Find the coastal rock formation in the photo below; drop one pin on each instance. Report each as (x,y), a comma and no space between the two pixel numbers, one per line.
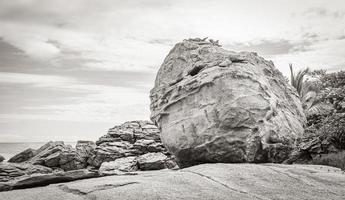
(9,171)
(148,161)
(132,138)
(58,155)
(202,182)
(23,156)
(215,105)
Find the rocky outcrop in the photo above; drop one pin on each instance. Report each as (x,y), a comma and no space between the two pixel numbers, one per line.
(1,158)
(132,146)
(58,155)
(10,171)
(130,139)
(148,161)
(23,156)
(203,182)
(215,105)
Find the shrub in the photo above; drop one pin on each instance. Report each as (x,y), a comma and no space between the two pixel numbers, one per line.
(333,130)
(333,80)
(332,159)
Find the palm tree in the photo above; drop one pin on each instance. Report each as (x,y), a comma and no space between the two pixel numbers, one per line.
(308,92)
(297,80)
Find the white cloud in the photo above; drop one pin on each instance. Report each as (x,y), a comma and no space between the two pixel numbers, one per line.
(116,35)
(99,103)
(322,55)
(35,79)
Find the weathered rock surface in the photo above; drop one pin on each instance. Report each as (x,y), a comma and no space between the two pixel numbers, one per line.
(207,181)
(214,105)
(148,161)
(152,161)
(36,180)
(130,139)
(9,171)
(23,156)
(119,166)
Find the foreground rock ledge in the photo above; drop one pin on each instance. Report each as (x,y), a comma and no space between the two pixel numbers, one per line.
(207,181)
(215,105)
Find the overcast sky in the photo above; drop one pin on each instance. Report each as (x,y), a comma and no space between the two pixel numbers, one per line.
(71,69)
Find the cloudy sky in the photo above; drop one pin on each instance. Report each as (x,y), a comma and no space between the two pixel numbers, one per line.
(71,69)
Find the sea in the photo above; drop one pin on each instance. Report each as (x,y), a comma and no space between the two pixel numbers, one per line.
(8,150)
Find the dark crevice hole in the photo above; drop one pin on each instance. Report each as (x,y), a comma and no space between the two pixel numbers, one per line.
(195,71)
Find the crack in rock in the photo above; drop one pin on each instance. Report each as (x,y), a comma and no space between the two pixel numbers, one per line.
(78,192)
(65,188)
(288,175)
(225,185)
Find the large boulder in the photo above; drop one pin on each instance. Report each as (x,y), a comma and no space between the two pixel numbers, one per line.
(130,139)
(2,158)
(215,105)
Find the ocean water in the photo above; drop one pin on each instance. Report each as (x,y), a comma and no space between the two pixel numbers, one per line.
(8,150)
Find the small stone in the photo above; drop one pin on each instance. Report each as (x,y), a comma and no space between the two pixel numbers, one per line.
(152,161)
(119,166)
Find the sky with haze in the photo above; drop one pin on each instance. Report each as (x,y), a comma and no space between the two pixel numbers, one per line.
(71,69)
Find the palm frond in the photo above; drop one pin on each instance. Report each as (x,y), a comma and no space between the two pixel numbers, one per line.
(297,81)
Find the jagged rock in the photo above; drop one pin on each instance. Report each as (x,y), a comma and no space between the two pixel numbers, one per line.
(119,166)
(9,171)
(85,150)
(47,150)
(214,105)
(85,147)
(144,146)
(202,182)
(58,155)
(152,161)
(133,138)
(36,180)
(23,156)
(1,158)
(110,151)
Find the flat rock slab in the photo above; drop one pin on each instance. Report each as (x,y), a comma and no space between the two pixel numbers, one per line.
(207,181)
